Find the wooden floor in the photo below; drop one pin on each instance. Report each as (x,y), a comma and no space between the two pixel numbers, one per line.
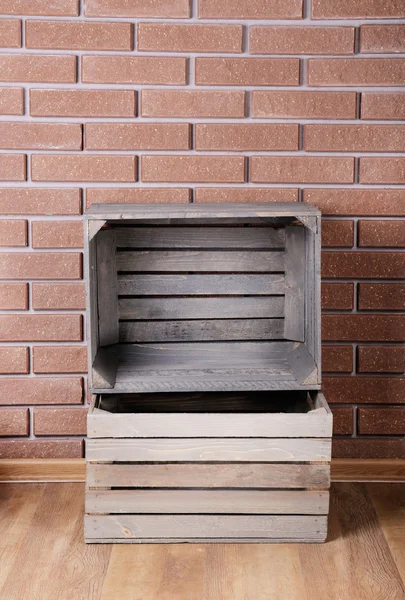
(42,554)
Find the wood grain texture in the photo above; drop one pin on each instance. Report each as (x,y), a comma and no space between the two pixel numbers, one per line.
(107,296)
(294,324)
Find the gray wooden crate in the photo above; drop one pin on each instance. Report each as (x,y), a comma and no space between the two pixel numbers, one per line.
(203,297)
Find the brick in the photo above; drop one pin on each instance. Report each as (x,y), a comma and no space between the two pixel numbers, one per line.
(368,448)
(337,296)
(11,101)
(363,328)
(58,296)
(175,9)
(301,40)
(14,359)
(381,106)
(14,422)
(13,233)
(82,103)
(164,37)
(40,201)
(40,265)
(13,167)
(358,9)
(78,35)
(60,421)
(10,33)
(303,105)
(364,390)
(381,421)
(299,169)
(250,9)
(382,296)
(388,203)
(19,135)
(381,359)
(57,234)
(382,170)
(382,233)
(137,136)
(363,265)
(219,136)
(354,138)
(190,103)
(41,390)
(38,68)
(60,359)
(13,296)
(50,8)
(353,72)
(40,328)
(222,194)
(137,195)
(41,449)
(343,423)
(337,359)
(247,71)
(378,39)
(198,169)
(155,70)
(338,234)
(82,168)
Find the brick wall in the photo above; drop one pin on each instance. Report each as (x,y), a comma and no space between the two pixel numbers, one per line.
(209,101)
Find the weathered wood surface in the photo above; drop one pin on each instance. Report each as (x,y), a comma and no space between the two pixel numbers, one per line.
(313,296)
(303,365)
(294,284)
(214,541)
(90,273)
(107,294)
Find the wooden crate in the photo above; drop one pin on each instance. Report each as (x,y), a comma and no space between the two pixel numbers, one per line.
(208,467)
(203,297)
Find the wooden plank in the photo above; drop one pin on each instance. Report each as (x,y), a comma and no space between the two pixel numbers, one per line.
(303,365)
(90,276)
(205,526)
(200,285)
(294,284)
(200,475)
(260,502)
(201,308)
(105,368)
(107,296)
(313,296)
(214,541)
(209,449)
(200,261)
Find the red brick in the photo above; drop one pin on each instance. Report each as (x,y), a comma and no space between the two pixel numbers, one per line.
(378,39)
(60,421)
(355,138)
(137,136)
(50,8)
(363,328)
(10,33)
(60,359)
(368,448)
(382,233)
(303,105)
(11,101)
(363,265)
(337,234)
(82,103)
(20,135)
(301,40)
(388,203)
(40,328)
(301,169)
(40,201)
(364,390)
(155,70)
(165,37)
(250,9)
(41,449)
(193,103)
(381,421)
(376,105)
(37,68)
(85,167)
(13,233)
(189,168)
(337,359)
(354,72)
(381,359)
(247,71)
(222,194)
(382,170)
(58,296)
(175,9)
(337,296)
(358,9)
(343,423)
(137,195)
(41,390)
(219,136)
(41,265)
(14,422)
(13,296)
(14,359)
(382,296)
(57,234)
(78,35)
(13,167)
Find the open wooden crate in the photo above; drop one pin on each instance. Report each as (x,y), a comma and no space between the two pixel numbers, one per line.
(203,297)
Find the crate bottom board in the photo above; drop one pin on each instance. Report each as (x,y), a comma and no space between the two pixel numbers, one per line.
(206,541)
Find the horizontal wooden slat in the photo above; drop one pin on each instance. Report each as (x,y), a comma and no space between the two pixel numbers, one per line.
(199,261)
(262,502)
